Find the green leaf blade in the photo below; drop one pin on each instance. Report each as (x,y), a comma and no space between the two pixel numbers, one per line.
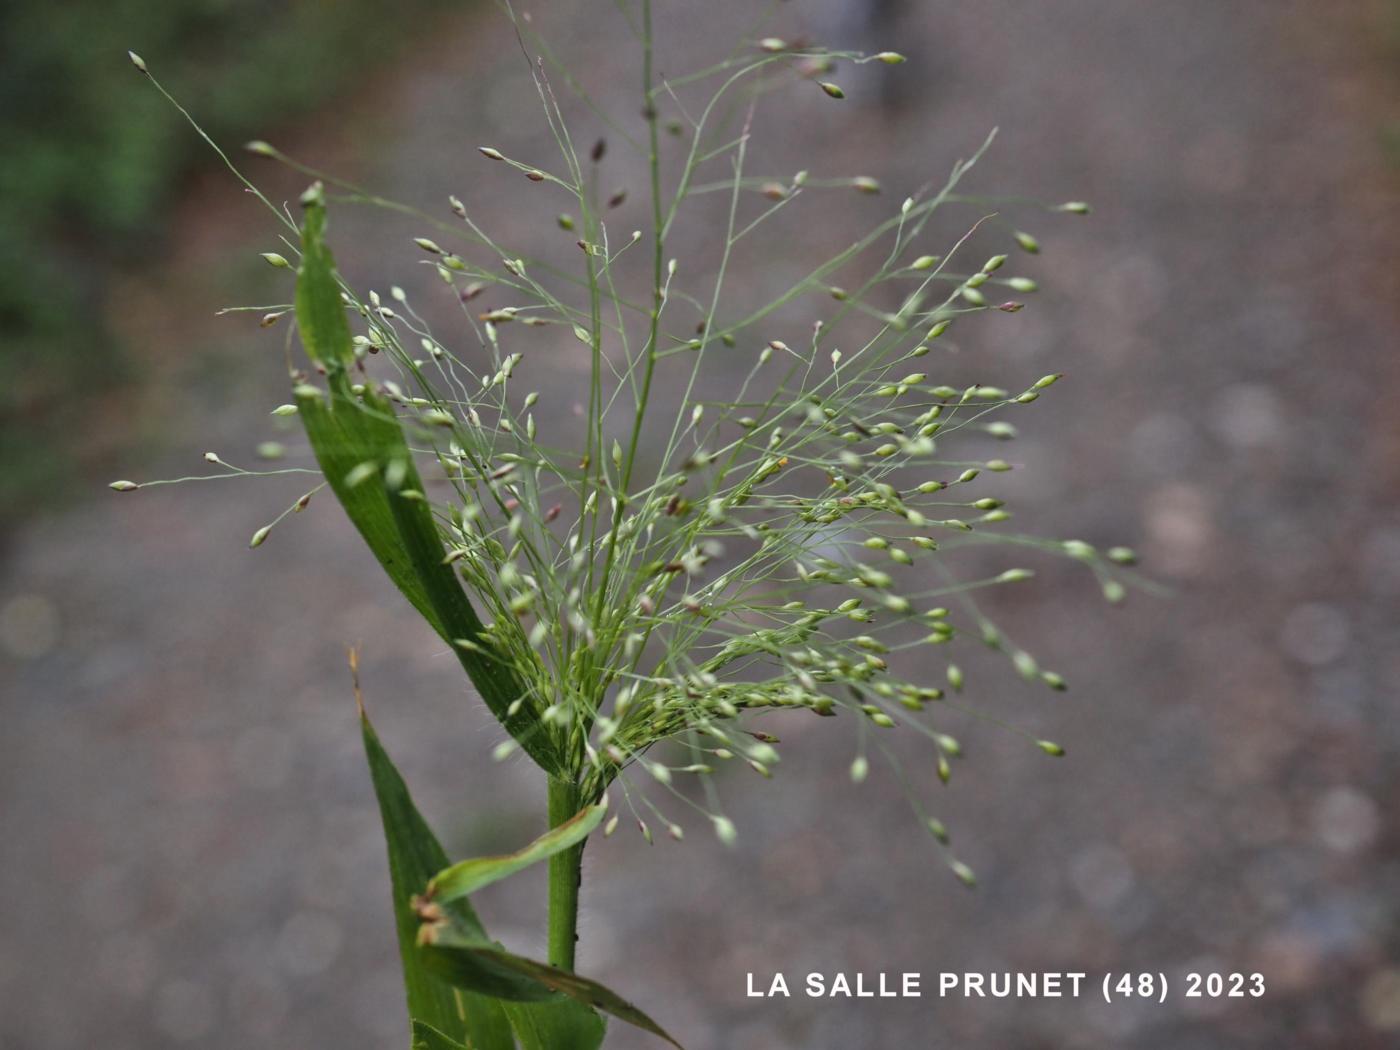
(320,311)
(414,855)
(468,876)
(344,434)
(354,430)
(563,1025)
(479,965)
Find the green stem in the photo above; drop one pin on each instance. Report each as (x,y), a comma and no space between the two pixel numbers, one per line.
(565,875)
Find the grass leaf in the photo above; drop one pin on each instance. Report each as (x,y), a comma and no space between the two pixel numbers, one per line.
(564,1025)
(343,436)
(470,962)
(414,854)
(320,312)
(351,432)
(468,876)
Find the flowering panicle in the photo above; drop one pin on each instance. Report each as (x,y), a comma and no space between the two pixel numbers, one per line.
(674,568)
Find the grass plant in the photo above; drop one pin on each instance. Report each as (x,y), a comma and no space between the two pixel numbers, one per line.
(629,590)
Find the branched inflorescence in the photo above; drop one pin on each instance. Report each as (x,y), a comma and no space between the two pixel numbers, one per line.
(678,563)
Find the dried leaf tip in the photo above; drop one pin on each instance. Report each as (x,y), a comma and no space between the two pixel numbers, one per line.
(352,657)
(138,62)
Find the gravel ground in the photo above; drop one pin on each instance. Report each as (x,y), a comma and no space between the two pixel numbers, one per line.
(191,852)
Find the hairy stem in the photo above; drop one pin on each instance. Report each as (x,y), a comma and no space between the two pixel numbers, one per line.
(565,875)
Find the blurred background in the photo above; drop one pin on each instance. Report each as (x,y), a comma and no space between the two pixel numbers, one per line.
(191,855)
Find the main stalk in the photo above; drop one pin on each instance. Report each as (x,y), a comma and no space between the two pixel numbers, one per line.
(565,874)
(566,868)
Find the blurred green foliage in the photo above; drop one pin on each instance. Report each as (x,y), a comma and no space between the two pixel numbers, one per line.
(92,155)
